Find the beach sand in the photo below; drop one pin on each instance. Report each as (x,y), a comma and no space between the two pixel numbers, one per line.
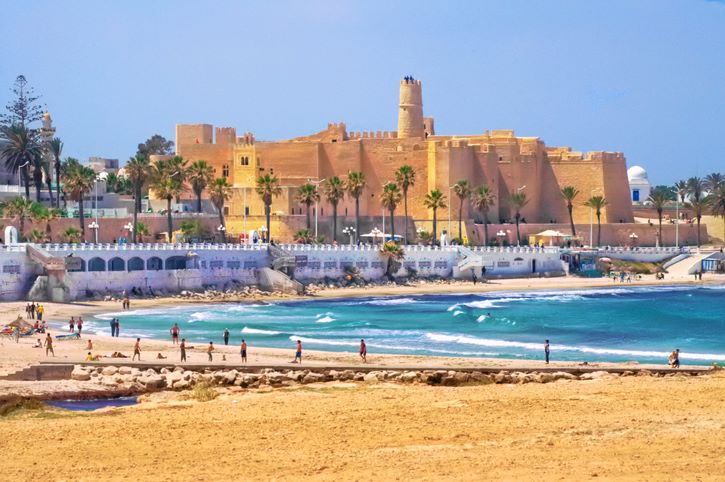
(633,428)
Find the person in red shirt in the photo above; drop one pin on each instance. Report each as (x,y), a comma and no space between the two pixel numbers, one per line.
(363,351)
(298,353)
(175,334)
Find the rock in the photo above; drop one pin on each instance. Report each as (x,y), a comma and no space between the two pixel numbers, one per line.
(461,377)
(164,371)
(173,377)
(482,378)
(155,382)
(79,374)
(370,377)
(595,375)
(408,377)
(313,377)
(546,378)
(358,377)
(109,370)
(295,376)
(108,382)
(644,373)
(125,370)
(230,376)
(181,384)
(564,376)
(150,372)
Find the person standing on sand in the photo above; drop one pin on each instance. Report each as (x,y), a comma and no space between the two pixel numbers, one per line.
(32,309)
(40,311)
(79,325)
(210,350)
(175,334)
(49,345)
(546,351)
(72,325)
(298,353)
(674,359)
(182,348)
(113,327)
(243,351)
(118,327)
(226,336)
(137,350)
(363,351)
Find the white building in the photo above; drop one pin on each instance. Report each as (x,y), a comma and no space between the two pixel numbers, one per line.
(639,185)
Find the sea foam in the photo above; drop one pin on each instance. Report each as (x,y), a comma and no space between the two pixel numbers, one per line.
(257,331)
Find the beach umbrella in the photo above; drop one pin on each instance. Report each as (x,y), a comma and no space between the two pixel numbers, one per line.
(20,323)
(605,260)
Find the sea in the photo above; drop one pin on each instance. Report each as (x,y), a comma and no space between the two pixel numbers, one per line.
(618,324)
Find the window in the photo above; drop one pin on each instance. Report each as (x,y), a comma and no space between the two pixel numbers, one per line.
(635,194)
(225,170)
(226,211)
(246,210)
(244,161)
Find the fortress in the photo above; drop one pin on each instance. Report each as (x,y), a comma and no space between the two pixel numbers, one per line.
(498,158)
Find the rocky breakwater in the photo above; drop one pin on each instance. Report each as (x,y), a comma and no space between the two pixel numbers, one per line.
(130,379)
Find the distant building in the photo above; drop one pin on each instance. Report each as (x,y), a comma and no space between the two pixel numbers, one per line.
(102,164)
(639,185)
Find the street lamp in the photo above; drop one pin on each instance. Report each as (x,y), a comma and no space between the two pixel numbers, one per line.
(20,169)
(129,227)
(633,237)
(500,235)
(221,229)
(591,220)
(350,231)
(263,230)
(317,208)
(94,226)
(376,232)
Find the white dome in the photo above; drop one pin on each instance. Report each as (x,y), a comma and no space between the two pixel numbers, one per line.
(636,173)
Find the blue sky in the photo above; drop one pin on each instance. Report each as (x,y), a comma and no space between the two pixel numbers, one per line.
(639,76)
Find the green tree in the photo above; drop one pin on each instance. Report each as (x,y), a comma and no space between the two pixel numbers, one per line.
(405,177)
(42,214)
(518,200)
(137,169)
(355,185)
(219,192)
(156,145)
(73,235)
(713,181)
(334,191)
(56,149)
(192,228)
(569,193)
(167,182)
(38,174)
(483,201)
(597,203)
(200,175)
(268,188)
(462,190)
(698,206)
(696,188)
(141,230)
(304,236)
(390,199)
(19,209)
(308,195)
(19,150)
(658,198)
(47,168)
(434,201)
(36,236)
(394,253)
(78,181)
(23,109)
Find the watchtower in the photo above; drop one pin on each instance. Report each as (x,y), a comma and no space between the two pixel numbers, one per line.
(410,110)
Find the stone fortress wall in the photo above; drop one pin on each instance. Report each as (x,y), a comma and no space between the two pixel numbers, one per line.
(499,158)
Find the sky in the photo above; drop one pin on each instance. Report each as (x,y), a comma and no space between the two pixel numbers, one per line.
(645,77)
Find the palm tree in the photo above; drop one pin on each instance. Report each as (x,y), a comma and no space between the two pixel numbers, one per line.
(483,200)
(334,192)
(308,195)
(38,175)
(200,175)
(142,230)
(717,203)
(518,200)
(390,199)
(137,170)
(19,209)
(699,206)
(303,236)
(48,175)
(405,177)
(569,193)
(695,188)
(659,197)
(40,214)
(78,180)
(462,190)
(73,235)
(597,203)
(219,192)
(435,200)
(354,185)
(167,182)
(56,149)
(36,236)
(268,188)
(20,149)
(394,253)
(714,181)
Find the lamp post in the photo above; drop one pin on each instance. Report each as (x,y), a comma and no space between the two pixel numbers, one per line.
(317,203)
(350,231)
(129,227)
(20,182)
(677,222)
(591,220)
(221,229)
(500,235)
(94,226)
(263,230)
(376,232)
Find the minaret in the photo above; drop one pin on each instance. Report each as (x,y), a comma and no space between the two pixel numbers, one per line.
(410,111)
(47,132)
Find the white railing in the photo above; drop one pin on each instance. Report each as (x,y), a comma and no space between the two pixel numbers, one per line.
(152,247)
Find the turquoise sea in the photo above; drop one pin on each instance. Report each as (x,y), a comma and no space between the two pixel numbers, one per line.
(641,324)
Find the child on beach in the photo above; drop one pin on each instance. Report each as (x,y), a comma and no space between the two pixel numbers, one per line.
(137,350)
(674,359)
(298,353)
(182,348)
(210,350)
(243,351)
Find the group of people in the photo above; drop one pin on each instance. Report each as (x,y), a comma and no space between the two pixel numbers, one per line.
(115,327)
(75,326)
(125,302)
(33,311)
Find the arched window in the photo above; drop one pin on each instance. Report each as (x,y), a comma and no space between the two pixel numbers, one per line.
(244,161)
(135,264)
(225,170)
(176,262)
(154,264)
(116,264)
(76,266)
(96,264)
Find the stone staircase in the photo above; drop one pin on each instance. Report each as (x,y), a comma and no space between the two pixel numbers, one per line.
(281,259)
(468,259)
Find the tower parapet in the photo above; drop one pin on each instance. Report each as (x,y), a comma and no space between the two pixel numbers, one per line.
(410,109)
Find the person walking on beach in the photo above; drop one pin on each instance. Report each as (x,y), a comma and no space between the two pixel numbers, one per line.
(298,353)
(210,350)
(363,351)
(226,336)
(137,350)
(175,334)
(113,327)
(72,325)
(674,359)
(243,351)
(49,345)
(79,325)
(546,351)
(182,348)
